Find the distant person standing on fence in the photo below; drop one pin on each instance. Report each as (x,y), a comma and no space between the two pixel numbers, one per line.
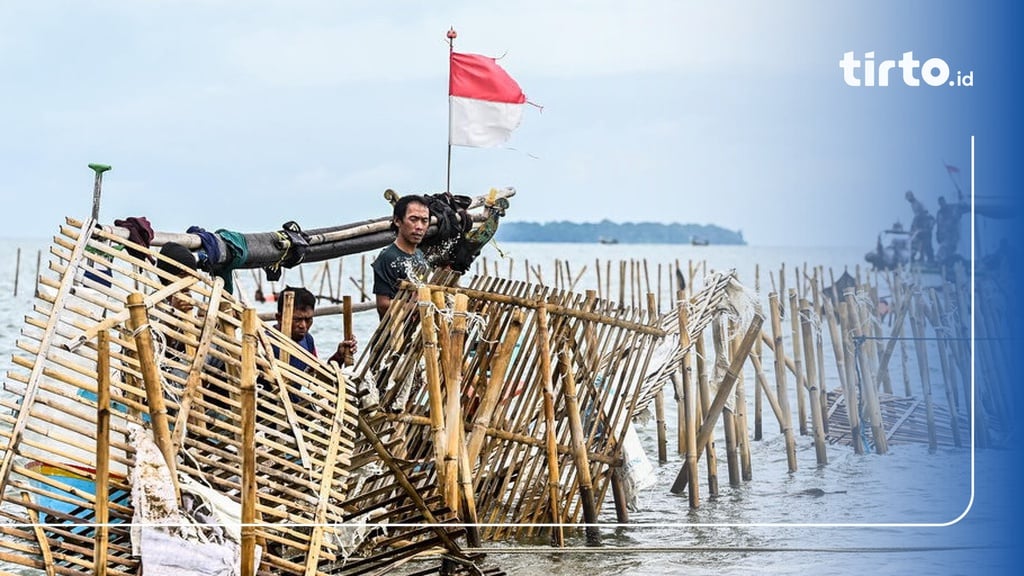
(402,259)
(947,227)
(920,231)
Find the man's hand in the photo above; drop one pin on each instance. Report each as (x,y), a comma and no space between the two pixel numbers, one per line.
(346,353)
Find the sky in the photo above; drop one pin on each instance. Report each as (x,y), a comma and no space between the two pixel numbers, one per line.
(246,115)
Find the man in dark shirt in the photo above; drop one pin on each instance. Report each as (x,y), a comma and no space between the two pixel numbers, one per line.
(402,259)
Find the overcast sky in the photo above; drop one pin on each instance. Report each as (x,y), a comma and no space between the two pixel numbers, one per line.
(244,115)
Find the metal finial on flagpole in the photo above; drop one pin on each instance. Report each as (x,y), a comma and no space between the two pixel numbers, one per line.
(452,34)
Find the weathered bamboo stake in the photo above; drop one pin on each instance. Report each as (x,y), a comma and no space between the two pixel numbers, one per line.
(852,391)
(287,310)
(890,346)
(659,415)
(819,342)
(139,324)
(947,377)
(782,393)
(453,415)
(917,327)
(597,268)
(346,323)
(801,376)
(544,352)
(728,417)
(17,271)
(817,420)
(839,353)
(658,304)
(685,372)
(740,417)
(659,398)
(883,379)
(579,448)
(247,387)
(430,358)
(900,295)
(39,259)
(868,390)
(102,453)
(756,354)
(362,277)
(622,284)
(725,389)
(704,403)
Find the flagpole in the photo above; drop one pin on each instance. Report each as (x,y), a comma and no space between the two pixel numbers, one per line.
(451,49)
(959,193)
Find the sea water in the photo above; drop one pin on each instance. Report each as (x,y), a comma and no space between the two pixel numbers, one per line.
(906,512)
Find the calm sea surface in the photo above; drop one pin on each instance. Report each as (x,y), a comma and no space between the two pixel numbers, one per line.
(907,512)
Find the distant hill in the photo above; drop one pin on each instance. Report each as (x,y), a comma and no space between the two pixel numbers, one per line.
(613,232)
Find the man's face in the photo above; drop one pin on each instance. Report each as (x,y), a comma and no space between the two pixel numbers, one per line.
(413,225)
(302,319)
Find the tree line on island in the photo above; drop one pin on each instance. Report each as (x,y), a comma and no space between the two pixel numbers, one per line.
(610,232)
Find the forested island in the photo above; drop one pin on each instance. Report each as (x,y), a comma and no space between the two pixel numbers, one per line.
(610,232)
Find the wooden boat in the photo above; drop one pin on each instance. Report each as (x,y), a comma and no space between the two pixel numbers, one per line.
(698,241)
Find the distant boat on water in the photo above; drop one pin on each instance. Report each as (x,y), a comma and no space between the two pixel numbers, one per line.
(698,241)
(604,240)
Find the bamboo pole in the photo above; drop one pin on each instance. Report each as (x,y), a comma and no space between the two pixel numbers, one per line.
(17,271)
(756,354)
(247,387)
(947,379)
(782,394)
(917,327)
(346,306)
(453,412)
(544,352)
(819,342)
(732,460)
(579,449)
(817,421)
(101,544)
(740,417)
(139,324)
(659,398)
(704,396)
(430,357)
(801,376)
(39,258)
(863,351)
(852,391)
(725,387)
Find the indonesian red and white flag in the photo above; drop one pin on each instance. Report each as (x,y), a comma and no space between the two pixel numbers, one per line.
(485,104)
